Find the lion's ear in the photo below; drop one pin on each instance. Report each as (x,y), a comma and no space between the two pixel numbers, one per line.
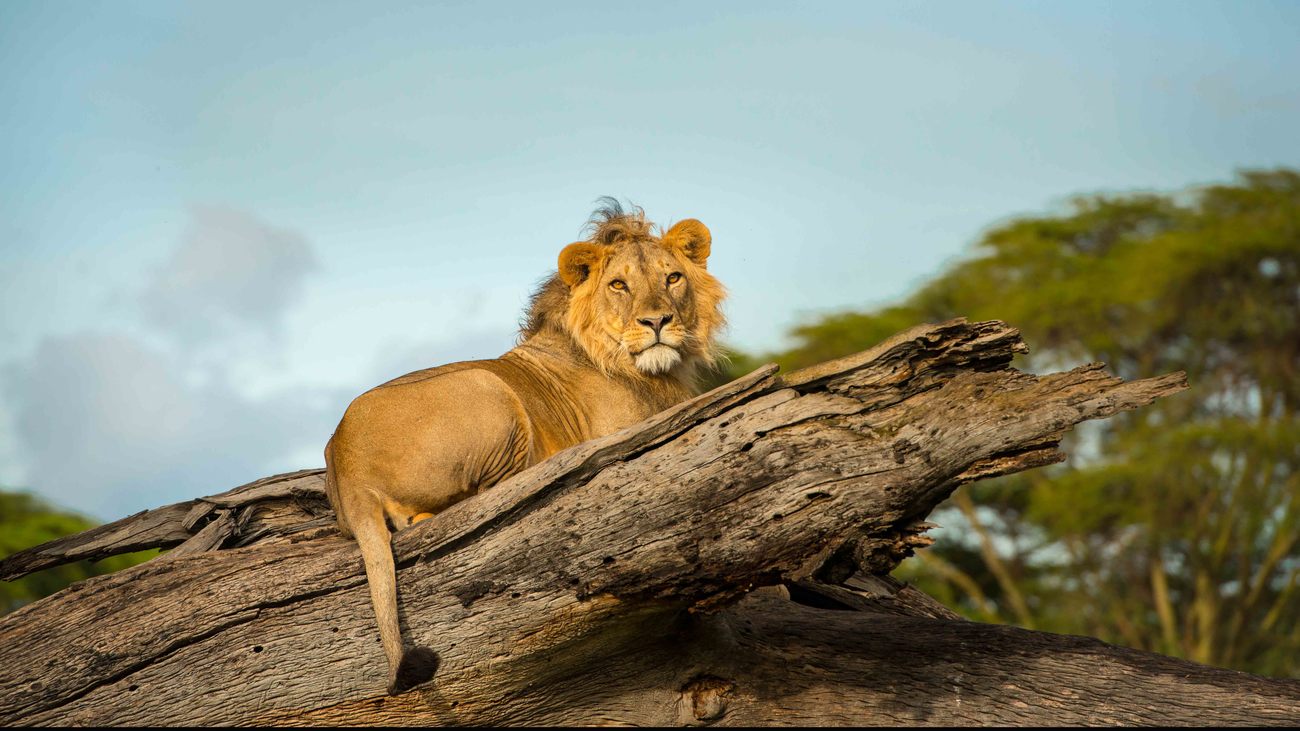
(577,260)
(692,237)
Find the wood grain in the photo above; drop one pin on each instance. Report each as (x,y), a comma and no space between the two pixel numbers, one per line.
(622,580)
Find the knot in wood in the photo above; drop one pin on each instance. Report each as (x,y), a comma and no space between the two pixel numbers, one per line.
(706,697)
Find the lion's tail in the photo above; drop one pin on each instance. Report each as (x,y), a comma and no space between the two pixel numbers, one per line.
(361,513)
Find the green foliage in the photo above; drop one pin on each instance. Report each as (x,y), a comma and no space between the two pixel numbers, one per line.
(25,521)
(733,365)
(1173,528)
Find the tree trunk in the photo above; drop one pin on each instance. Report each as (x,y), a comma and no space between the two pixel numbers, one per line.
(619,581)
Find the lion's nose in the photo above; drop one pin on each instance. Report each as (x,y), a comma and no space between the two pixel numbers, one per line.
(655,323)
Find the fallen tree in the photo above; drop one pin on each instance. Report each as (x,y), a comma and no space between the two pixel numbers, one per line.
(723,562)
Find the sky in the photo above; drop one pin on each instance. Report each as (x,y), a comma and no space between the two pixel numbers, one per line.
(221,221)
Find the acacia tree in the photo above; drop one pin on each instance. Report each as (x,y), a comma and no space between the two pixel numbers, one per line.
(1175,530)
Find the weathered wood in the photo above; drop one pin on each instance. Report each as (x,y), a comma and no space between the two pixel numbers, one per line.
(549,596)
(270,507)
(770,662)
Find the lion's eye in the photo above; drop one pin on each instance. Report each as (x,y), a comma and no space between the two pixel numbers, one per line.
(618,285)
(674,278)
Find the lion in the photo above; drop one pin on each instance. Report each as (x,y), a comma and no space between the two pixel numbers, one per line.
(621,331)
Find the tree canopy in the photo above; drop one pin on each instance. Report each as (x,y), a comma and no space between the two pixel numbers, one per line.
(1175,529)
(27,521)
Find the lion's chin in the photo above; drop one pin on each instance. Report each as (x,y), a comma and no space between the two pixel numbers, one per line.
(658,358)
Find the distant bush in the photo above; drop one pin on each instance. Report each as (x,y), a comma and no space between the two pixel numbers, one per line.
(27,521)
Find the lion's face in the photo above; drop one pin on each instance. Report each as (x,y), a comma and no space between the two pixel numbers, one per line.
(644,304)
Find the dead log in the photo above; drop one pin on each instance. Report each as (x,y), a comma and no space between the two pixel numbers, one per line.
(616,582)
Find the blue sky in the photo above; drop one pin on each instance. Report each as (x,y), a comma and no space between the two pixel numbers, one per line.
(219,222)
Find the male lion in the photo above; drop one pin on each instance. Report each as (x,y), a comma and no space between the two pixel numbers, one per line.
(617,334)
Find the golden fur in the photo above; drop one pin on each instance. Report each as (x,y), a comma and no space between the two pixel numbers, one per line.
(574,300)
(618,333)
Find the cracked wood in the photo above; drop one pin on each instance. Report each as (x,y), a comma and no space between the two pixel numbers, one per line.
(608,545)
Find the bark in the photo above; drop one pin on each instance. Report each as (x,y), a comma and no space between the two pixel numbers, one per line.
(619,581)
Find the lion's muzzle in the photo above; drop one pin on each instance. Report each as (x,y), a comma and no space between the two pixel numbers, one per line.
(658,358)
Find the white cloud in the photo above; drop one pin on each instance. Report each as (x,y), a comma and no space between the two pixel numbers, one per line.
(113,422)
(110,423)
(111,427)
(230,272)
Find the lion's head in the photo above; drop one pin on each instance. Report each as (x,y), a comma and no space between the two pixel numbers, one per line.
(637,299)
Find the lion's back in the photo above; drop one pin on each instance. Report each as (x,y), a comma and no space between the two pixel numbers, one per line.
(432,437)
